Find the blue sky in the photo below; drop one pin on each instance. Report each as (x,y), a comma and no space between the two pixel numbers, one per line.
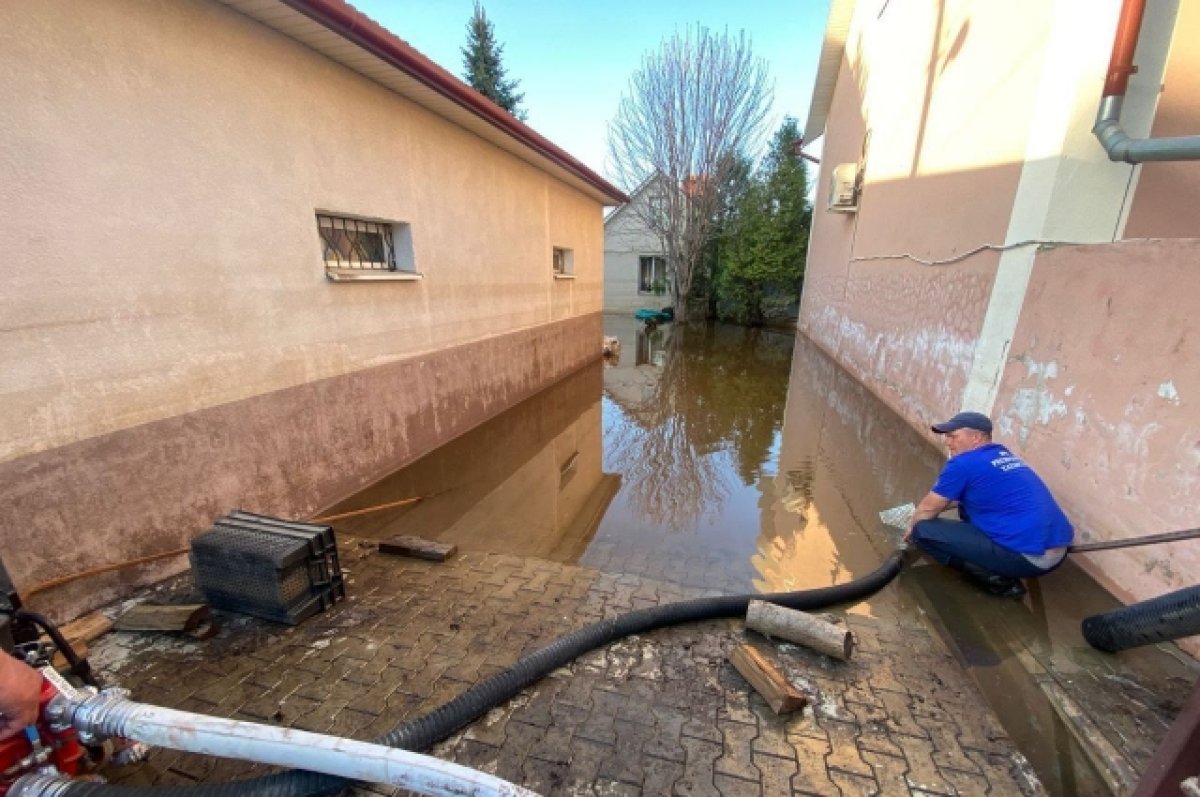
(574,60)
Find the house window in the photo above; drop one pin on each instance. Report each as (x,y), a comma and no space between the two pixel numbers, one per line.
(350,245)
(564,262)
(652,274)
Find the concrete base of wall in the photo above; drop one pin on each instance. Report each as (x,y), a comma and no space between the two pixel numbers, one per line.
(289,453)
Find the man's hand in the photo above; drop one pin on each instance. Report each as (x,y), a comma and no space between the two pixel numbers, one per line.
(20,691)
(931,506)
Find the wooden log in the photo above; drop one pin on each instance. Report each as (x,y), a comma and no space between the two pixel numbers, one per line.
(158,617)
(767,679)
(801,628)
(418,547)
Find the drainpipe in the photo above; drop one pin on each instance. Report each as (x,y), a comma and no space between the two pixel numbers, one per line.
(1108,130)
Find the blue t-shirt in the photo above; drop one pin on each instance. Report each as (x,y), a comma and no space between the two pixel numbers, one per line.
(1005,499)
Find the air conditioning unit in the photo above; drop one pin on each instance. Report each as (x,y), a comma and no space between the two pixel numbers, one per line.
(843,188)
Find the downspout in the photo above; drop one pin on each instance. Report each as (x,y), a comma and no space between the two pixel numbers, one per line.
(1108,130)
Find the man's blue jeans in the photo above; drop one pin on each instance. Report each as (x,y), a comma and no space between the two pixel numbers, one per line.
(953,542)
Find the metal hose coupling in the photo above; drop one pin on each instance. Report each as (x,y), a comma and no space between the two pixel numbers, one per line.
(101,716)
(39,784)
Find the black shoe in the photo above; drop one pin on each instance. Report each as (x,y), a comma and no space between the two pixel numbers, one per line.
(994,583)
(1005,587)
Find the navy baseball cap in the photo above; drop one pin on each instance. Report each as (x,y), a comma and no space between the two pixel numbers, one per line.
(965,420)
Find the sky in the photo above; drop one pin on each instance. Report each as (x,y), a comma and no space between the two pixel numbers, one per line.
(574,59)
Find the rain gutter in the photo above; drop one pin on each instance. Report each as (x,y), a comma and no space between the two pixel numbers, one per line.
(1119,145)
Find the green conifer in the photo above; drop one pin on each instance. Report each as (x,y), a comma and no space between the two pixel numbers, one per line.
(483,69)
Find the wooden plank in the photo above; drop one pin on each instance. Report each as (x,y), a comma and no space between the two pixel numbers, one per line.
(767,679)
(156,617)
(418,547)
(801,628)
(86,628)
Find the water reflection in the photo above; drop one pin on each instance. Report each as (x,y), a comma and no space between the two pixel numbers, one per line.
(528,482)
(843,458)
(692,425)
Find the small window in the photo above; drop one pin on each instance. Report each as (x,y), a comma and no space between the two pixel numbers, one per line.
(350,245)
(652,274)
(564,262)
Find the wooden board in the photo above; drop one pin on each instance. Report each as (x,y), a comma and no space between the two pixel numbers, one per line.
(767,679)
(155,617)
(418,547)
(86,628)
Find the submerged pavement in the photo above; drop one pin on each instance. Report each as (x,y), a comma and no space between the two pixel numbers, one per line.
(659,714)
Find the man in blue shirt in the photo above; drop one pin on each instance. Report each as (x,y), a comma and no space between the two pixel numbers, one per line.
(1011,527)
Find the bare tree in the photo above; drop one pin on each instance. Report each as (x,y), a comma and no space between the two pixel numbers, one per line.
(699,99)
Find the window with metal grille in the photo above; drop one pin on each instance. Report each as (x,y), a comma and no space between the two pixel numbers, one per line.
(348,243)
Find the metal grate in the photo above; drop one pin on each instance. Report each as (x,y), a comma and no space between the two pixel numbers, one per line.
(356,244)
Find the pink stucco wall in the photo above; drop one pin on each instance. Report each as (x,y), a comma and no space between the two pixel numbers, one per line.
(1100,395)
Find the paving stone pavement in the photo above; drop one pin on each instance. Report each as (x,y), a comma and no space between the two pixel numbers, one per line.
(659,714)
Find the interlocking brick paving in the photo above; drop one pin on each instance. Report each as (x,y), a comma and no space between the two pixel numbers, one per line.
(659,714)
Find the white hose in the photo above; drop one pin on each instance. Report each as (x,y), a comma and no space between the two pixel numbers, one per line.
(111,714)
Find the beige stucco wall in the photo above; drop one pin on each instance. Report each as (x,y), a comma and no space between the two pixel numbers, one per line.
(170,346)
(1167,201)
(161,166)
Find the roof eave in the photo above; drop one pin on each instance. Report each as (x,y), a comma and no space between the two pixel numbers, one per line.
(837,28)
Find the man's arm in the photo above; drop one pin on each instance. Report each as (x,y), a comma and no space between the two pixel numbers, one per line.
(20,690)
(931,506)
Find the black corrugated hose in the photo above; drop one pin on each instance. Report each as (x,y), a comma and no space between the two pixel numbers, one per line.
(1161,619)
(423,732)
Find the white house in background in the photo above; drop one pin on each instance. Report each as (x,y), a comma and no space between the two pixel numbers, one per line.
(635,261)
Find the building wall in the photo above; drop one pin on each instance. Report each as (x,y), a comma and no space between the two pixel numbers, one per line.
(979,160)
(1167,202)
(1101,395)
(539,492)
(171,346)
(626,240)
(907,94)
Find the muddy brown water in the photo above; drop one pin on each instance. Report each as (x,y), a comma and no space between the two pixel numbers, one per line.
(743,460)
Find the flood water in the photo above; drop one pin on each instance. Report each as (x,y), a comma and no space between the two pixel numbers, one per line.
(684,459)
(734,460)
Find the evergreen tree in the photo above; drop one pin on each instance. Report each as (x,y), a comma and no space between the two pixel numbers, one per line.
(484,71)
(737,171)
(763,267)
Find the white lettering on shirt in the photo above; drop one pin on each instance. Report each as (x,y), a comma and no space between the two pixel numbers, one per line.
(1007,462)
